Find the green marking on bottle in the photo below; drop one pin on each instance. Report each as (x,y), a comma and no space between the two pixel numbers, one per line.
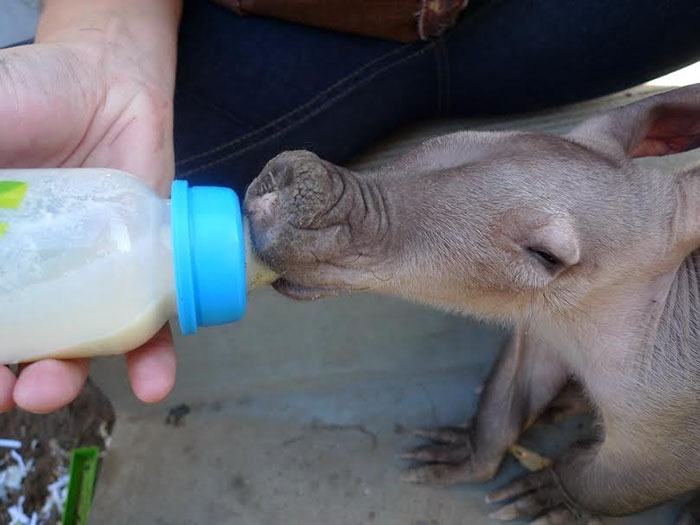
(3,228)
(12,193)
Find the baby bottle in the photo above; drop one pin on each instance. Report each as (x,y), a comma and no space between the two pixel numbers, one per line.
(94,262)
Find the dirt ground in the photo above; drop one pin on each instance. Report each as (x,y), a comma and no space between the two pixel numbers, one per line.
(47,442)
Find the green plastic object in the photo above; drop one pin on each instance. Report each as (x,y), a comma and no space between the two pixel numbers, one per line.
(83,474)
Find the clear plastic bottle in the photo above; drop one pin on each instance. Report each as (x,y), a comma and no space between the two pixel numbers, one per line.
(94,262)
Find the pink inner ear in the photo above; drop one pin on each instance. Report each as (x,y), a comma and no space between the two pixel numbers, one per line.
(672,130)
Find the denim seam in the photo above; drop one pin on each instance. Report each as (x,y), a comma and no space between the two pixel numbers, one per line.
(308,116)
(298,109)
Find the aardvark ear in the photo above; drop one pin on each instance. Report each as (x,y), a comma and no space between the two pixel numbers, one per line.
(660,125)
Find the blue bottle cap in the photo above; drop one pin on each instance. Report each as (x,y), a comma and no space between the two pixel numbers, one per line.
(209,256)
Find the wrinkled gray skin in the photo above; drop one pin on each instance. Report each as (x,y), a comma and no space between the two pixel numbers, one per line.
(589,256)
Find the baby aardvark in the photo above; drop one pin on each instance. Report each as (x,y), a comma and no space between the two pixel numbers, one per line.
(593,259)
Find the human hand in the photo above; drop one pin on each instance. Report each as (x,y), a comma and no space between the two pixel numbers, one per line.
(87,98)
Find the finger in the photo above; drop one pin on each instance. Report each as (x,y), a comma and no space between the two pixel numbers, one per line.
(438,453)
(449,435)
(527,506)
(441,475)
(152,367)
(519,486)
(7,384)
(50,384)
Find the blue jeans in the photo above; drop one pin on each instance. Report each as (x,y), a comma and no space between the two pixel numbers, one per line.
(249,88)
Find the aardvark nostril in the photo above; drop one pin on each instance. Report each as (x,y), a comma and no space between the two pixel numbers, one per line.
(271,179)
(267,184)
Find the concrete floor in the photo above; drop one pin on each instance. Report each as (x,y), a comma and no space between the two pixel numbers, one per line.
(298,412)
(297,415)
